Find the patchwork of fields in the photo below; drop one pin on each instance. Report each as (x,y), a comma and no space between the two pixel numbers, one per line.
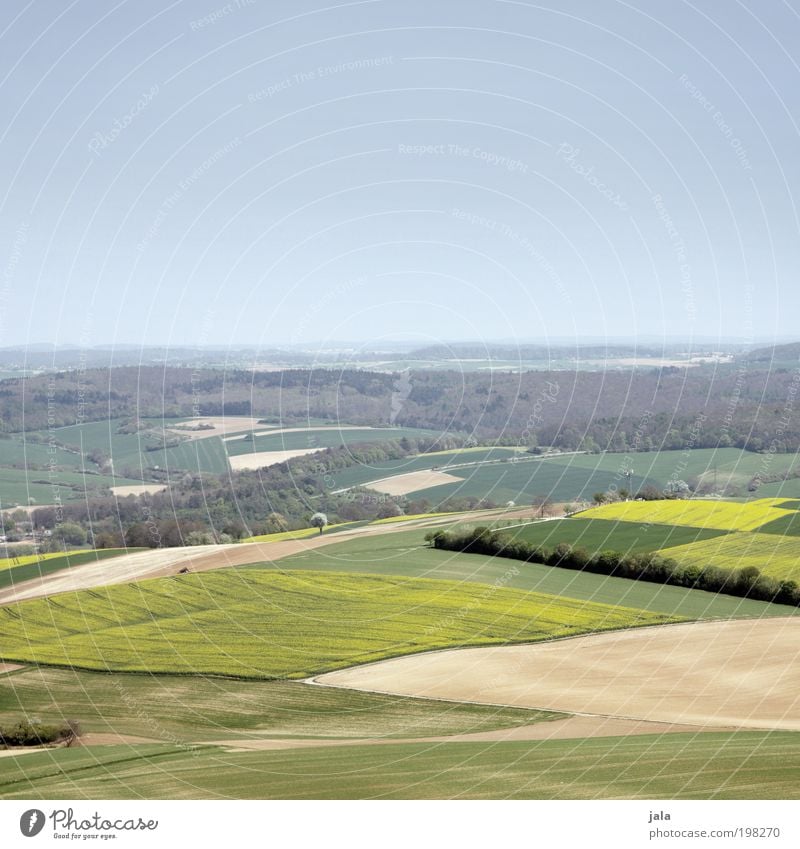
(224,650)
(285,625)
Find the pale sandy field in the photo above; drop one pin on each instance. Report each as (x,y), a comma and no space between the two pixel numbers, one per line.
(411,482)
(738,673)
(137,489)
(160,562)
(261,459)
(221,426)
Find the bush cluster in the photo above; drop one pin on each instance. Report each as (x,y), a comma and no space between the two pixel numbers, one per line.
(747,582)
(25,733)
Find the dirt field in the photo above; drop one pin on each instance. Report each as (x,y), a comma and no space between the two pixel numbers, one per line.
(279,430)
(9,667)
(114,570)
(260,459)
(569,728)
(202,558)
(411,482)
(742,674)
(220,426)
(137,489)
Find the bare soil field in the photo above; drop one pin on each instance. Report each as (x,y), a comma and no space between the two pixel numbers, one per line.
(260,459)
(160,562)
(740,674)
(411,482)
(9,667)
(280,430)
(220,426)
(137,489)
(114,570)
(569,728)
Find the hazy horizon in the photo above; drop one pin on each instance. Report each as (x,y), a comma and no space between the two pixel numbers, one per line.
(296,173)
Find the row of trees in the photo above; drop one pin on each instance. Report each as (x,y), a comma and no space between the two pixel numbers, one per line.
(747,582)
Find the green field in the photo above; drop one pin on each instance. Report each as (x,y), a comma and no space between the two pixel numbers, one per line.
(723,465)
(189,708)
(576,477)
(261,624)
(743,765)
(320,438)
(443,461)
(129,450)
(521,481)
(21,487)
(406,553)
(597,535)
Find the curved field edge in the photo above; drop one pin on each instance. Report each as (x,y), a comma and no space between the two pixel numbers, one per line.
(406,553)
(255,624)
(711,765)
(39,567)
(191,708)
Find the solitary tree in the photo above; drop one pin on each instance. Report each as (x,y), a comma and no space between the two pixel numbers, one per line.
(541,503)
(319,520)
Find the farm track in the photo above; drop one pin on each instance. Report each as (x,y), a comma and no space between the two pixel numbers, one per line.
(162,562)
(730,674)
(569,728)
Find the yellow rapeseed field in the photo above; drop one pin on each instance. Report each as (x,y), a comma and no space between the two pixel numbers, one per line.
(723,515)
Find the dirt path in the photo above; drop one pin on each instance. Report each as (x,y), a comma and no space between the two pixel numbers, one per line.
(740,673)
(569,728)
(161,562)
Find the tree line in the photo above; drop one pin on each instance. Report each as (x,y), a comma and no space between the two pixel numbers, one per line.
(747,582)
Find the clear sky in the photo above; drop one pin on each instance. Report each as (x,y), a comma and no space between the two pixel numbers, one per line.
(286,172)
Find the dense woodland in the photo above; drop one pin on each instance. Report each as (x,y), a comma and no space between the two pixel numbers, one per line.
(741,405)
(745,404)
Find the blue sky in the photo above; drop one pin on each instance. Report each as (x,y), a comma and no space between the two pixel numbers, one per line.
(289,172)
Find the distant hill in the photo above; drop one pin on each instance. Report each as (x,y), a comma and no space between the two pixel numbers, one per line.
(774,354)
(494,351)
(646,409)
